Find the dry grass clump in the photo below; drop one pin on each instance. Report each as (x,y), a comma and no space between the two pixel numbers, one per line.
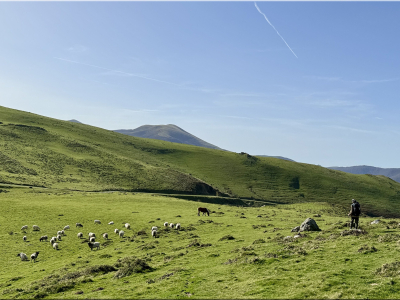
(366,249)
(388,237)
(389,270)
(129,265)
(227,237)
(355,232)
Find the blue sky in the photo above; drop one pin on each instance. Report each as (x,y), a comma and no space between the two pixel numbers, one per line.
(325,90)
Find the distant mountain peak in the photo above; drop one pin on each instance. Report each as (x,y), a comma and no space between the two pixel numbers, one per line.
(75,121)
(169,133)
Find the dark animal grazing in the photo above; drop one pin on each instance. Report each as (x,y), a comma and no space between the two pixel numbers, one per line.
(43,238)
(94,245)
(203,210)
(34,256)
(79,225)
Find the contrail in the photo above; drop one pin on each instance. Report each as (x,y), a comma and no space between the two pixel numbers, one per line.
(121,72)
(274,28)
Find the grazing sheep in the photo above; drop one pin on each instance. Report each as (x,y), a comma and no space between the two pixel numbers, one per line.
(34,256)
(59,232)
(53,240)
(43,238)
(92,239)
(66,227)
(121,234)
(24,228)
(91,234)
(110,223)
(154,228)
(59,237)
(62,232)
(23,256)
(178,226)
(165,224)
(24,238)
(154,233)
(35,228)
(55,246)
(79,225)
(97,222)
(80,235)
(116,231)
(94,245)
(127,226)
(171,225)
(105,236)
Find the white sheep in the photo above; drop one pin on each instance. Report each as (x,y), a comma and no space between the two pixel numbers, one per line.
(34,256)
(105,236)
(24,228)
(127,226)
(59,237)
(55,246)
(59,232)
(24,238)
(53,240)
(121,234)
(97,222)
(35,228)
(116,231)
(66,227)
(171,225)
(92,239)
(91,234)
(62,232)
(23,256)
(110,223)
(165,224)
(154,233)
(154,228)
(178,226)
(80,235)
(94,245)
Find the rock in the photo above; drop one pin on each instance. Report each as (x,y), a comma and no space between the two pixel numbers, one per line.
(375,222)
(309,225)
(287,238)
(297,236)
(296,229)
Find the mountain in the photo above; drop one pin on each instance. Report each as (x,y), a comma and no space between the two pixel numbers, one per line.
(280,157)
(75,121)
(42,151)
(169,133)
(393,173)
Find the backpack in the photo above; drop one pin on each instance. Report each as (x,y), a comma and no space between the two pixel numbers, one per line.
(356,209)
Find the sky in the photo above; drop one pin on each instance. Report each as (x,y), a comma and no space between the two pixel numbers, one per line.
(317,82)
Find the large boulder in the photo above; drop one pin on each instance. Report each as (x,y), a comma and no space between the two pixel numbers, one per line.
(309,225)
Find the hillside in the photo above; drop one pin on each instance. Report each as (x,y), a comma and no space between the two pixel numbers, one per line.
(169,133)
(280,157)
(41,151)
(393,173)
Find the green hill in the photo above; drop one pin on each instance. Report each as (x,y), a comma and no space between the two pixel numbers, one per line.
(41,151)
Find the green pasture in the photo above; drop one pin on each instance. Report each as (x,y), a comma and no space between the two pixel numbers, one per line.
(235,253)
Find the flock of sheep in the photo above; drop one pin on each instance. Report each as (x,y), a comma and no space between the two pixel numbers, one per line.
(92,236)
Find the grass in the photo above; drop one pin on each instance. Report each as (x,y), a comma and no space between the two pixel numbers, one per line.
(220,256)
(45,152)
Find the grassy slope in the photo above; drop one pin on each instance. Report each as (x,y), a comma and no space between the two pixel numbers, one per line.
(60,154)
(256,264)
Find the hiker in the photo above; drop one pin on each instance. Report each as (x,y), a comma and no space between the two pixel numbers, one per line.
(354,213)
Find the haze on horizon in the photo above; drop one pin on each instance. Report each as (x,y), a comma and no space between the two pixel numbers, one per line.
(317,82)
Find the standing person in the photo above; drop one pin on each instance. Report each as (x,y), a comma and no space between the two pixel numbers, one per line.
(355,211)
